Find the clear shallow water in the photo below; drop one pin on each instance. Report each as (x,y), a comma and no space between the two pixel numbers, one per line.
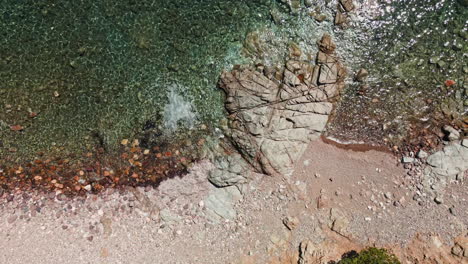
(100,70)
(412,48)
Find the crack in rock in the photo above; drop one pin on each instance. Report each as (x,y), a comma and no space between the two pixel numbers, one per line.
(273,116)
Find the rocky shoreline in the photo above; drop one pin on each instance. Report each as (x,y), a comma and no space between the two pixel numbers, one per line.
(174,203)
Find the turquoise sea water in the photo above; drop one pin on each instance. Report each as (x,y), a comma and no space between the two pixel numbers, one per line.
(102,70)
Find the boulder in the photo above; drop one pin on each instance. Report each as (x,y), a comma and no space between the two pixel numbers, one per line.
(230,170)
(272,119)
(445,166)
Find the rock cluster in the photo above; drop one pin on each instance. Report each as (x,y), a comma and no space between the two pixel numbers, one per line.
(275,112)
(445,166)
(344,7)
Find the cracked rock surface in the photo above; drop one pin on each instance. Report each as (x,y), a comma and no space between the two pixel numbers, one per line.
(445,166)
(276,112)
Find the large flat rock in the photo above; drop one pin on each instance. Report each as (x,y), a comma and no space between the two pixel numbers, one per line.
(275,114)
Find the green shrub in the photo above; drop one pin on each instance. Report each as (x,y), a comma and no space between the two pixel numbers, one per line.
(370,256)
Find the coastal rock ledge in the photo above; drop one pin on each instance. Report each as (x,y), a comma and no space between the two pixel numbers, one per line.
(274,112)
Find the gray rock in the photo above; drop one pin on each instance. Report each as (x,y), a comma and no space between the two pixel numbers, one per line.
(465,142)
(167,216)
(272,121)
(422,154)
(452,133)
(291,222)
(408,160)
(220,203)
(230,170)
(444,167)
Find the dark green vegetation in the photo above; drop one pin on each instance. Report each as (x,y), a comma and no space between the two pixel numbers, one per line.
(98,71)
(370,256)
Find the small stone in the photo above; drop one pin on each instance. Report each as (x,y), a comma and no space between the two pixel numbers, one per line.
(291,222)
(90,238)
(348,5)
(439,200)
(422,154)
(368,219)
(457,250)
(88,187)
(388,195)
(11,219)
(452,210)
(361,75)
(465,142)
(407,160)
(322,201)
(452,133)
(326,44)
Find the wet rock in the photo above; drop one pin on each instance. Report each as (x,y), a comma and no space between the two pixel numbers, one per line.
(320,17)
(271,121)
(107,226)
(341,19)
(465,143)
(230,170)
(326,44)
(361,75)
(291,222)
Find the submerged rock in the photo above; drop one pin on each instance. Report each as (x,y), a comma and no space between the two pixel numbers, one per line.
(452,133)
(273,116)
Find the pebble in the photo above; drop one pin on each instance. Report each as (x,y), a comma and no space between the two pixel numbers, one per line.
(452,210)
(407,160)
(88,187)
(439,200)
(422,154)
(12,218)
(368,219)
(291,222)
(388,195)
